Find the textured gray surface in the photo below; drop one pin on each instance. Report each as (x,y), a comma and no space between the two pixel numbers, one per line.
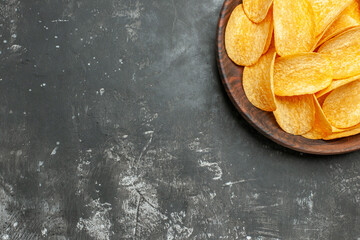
(114,125)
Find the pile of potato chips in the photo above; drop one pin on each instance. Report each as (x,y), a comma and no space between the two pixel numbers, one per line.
(302,62)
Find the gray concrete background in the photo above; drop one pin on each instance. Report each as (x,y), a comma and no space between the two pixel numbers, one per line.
(114,125)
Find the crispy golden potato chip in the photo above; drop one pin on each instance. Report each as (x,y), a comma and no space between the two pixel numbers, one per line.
(354,10)
(256,10)
(258,82)
(244,40)
(337,83)
(338,130)
(294,27)
(342,24)
(270,40)
(349,18)
(342,106)
(321,127)
(296,114)
(300,74)
(344,53)
(326,11)
(343,134)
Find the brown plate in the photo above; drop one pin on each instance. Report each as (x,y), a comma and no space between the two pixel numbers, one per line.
(264,122)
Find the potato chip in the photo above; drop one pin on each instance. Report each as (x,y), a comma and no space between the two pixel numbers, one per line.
(321,127)
(256,10)
(326,11)
(300,74)
(258,82)
(349,18)
(343,134)
(296,114)
(335,84)
(244,40)
(338,130)
(342,24)
(270,40)
(344,53)
(353,10)
(294,26)
(342,106)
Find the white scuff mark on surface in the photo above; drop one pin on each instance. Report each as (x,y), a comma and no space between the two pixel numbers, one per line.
(53,152)
(98,225)
(151,133)
(132,30)
(263,207)
(195,146)
(306,202)
(102,91)
(44,232)
(5,237)
(59,20)
(133,13)
(176,228)
(236,182)
(15,48)
(212,167)
(206,156)
(110,153)
(5,216)
(141,207)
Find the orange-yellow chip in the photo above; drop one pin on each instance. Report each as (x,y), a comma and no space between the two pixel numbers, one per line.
(337,130)
(244,40)
(342,106)
(354,10)
(296,114)
(349,18)
(294,26)
(326,11)
(336,84)
(256,10)
(300,74)
(343,134)
(344,23)
(321,127)
(258,82)
(270,39)
(344,53)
